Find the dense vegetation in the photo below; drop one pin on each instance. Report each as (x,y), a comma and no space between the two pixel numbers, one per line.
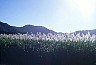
(15,51)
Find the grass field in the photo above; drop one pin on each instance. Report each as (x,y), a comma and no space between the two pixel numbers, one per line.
(46,52)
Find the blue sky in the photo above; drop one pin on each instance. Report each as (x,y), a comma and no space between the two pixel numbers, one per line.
(57,15)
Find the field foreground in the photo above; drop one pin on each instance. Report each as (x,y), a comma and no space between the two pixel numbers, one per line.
(15,51)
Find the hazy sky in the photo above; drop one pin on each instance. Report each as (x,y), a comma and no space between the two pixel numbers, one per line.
(57,15)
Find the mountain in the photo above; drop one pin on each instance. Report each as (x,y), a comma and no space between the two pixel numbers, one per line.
(6,28)
(34,29)
(86,31)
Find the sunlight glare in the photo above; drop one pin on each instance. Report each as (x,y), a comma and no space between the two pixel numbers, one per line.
(86,7)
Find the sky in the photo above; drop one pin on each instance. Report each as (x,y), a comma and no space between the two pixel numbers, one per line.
(58,15)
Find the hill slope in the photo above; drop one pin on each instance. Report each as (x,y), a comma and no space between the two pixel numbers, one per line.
(86,31)
(5,28)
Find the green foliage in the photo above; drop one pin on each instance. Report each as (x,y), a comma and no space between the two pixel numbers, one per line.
(50,46)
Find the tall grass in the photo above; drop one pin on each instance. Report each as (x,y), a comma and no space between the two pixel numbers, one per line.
(67,49)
